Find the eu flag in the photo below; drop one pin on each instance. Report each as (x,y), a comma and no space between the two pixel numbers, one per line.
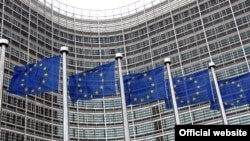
(234,91)
(37,78)
(145,87)
(193,88)
(95,83)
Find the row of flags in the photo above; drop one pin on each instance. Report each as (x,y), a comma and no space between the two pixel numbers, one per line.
(140,88)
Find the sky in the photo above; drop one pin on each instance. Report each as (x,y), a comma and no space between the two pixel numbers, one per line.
(98,4)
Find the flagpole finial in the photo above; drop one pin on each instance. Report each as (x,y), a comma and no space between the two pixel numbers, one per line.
(167,60)
(64,49)
(118,55)
(211,64)
(4,42)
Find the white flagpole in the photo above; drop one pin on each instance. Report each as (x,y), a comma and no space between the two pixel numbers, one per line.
(118,57)
(64,52)
(176,113)
(4,43)
(222,109)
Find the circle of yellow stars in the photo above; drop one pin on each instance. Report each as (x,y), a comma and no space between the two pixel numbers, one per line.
(29,72)
(240,96)
(194,96)
(148,95)
(80,80)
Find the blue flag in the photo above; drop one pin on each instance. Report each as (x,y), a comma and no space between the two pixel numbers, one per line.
(193,88)
(37,78)
(234,91)
(94,83)
(144,87)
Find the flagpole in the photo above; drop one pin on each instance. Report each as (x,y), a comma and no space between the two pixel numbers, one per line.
(176,113)
(4,43)
(64,52)
(118,57)
(222,109)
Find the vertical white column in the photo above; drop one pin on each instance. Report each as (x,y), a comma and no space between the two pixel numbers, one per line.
(222,109)
(118,57)
(3,43)
(64,52)
(176,113)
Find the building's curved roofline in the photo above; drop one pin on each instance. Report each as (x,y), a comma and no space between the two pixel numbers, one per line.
(100,14)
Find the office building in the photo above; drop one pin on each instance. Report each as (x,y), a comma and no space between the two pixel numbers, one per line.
(191,32)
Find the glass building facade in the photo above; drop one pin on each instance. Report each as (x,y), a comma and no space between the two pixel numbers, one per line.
(191,32)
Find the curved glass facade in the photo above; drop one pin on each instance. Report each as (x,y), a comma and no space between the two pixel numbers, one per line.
(192,33)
